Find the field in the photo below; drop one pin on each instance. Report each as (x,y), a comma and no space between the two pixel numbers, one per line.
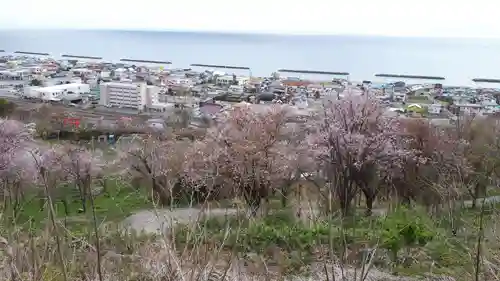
(420,99)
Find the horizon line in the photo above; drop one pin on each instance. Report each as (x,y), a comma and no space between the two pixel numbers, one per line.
(238,32)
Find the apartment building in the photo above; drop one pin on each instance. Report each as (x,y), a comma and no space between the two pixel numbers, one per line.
(128,95)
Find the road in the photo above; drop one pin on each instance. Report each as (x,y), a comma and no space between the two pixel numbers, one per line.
(491,200)
(479,202)
(97,112)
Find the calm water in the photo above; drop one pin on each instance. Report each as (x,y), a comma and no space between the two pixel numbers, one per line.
(458,60)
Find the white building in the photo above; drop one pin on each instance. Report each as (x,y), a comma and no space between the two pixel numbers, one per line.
(128,95)
(435,108)
(80,71)
(152,97)
(37,69)
(14,74)
(228,80)
(177,81)
(58,92)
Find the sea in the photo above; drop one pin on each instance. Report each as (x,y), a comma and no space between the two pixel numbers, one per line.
(458,60)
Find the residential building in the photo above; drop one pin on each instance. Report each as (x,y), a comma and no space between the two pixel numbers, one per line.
(35,69)
(469,108)
(123,95)
(229,80)
(152,97)
(176,81)
(128,95)
(50,66)
(399,96)
(435,108)
(81,71)
(14,74)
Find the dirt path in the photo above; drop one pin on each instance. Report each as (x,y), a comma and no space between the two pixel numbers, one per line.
(159,221)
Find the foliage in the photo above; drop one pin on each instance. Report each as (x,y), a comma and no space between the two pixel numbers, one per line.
(403,229)
(6,108)
(36,82)
(396,238)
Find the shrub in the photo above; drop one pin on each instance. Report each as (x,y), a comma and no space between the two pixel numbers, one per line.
(6,107)
(404,229)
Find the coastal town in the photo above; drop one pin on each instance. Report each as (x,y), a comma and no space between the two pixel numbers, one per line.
(137,153)
(96,91)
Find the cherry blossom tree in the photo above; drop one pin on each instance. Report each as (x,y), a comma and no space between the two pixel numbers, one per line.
(481,140)
(14,137)
(253,155)
(356,143)
(200,180)
(15,145)
(80,167)
(160,162)
(437,163)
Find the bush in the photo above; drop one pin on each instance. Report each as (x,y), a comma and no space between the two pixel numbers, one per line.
(279,230)
(36,82)
(298,242)
(404,229)
(6,107)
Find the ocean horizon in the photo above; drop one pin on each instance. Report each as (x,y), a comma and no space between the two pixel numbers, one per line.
(458,60)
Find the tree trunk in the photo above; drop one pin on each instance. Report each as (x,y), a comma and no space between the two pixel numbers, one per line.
(83,195)
(370,193)
(369,205)
(345,195)
(476,193)
(160,193)
(104,185)
(285,190)
(254,208)
(344,207)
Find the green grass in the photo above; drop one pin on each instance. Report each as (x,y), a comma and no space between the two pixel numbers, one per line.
(118,202)
(422,100)
(409,241)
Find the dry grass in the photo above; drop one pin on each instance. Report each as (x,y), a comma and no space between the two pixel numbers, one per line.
(291,243)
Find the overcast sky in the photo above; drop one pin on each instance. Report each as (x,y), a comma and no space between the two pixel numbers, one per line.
(436,18)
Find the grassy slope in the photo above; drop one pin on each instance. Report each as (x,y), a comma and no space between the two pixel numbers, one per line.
(290,245)
(118,202)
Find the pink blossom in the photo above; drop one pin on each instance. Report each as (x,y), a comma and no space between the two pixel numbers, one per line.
(356,143)
(357,130)
(14,139)
(251,142)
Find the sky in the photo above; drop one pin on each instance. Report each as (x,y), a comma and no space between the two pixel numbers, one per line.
(415,18)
